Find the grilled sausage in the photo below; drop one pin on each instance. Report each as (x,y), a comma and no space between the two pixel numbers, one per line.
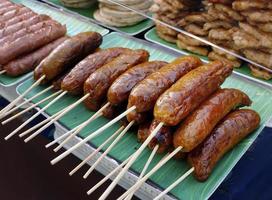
(145,94)
(143,131)
(31,42)
(23,24)
(189,91)
(74,81)
(137,117)
(28,62)
(113,111)
(231,130)
(99,82)
(17,19)
(122,86)
(69,53)
(198,125)
(57,81)
(10,38)
(164,137)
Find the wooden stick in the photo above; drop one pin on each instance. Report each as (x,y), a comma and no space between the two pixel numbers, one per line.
(66,134)
(95,116)
(39,124)
(91,136)
(15,101)
(57,118)
(34,116)
(96,151)
(131,161)
(31,107)
(97,185)
(152,171)
(2,72)
(153,153)
(169,188)
(117,139)
(28,100)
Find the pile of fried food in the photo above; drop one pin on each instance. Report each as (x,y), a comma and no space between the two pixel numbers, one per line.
(26,38)
(241,26)
(78,3)
(114,15)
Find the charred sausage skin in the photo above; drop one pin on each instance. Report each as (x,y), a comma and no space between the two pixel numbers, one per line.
(230,131)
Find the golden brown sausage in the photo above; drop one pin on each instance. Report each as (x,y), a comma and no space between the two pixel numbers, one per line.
(189,91)
(143,131)
(70,52)
(231,130)
(145,94)
(122,86)
(98,83)
(74,82)
(198,125)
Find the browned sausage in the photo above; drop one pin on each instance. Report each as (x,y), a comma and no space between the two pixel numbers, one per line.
(28,62)
(17,19)
(145,94)
(57,81)
(98,83)
(122,86)
(13,13)
(112,111)
(74,82)
(23,24)
(10,38)
(189,91)
(231,130)
(137,117)
(143,131)
(164,137)
(198,125)
(30,42)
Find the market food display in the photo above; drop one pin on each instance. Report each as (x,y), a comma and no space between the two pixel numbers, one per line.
(240,26)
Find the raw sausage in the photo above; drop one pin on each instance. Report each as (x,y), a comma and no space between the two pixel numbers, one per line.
(69,53)
(231,130)
(198,125)
(74,81)
(98,83)
(145,94)
(122,86)
(13,13)
(17,19)
(28,62)
(189,91)
(30,42)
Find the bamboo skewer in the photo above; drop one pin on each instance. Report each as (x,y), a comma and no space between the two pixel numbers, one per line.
(20,97)
(131,161)
(2,72)
(117,139)
(95,116)
(67,134)
(153,153)
(34,116)
(31,107)
(97,185)
(91,136)
(151,172)
(96,151)
(28,100)
(178,181)
(57,117)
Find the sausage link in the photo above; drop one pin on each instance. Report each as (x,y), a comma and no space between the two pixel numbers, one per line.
(7,9)
(143,131)
(164,137)
(10,38)
(28,62)
(145,94)
(137,117)
(99,82)
(74,82)
(198,125)
(189,91)
(31,42)
(5,3)
(16,19)
(13,13)
(231,130)
(122,86)
(113,111)
(23,24)
(69,53)
(57,81)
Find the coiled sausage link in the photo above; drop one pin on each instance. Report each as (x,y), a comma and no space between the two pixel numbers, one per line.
(198,125)
(231,130)
(189,91)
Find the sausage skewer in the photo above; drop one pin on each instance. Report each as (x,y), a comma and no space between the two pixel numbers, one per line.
(169,73)
(2,72)
(176,103)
